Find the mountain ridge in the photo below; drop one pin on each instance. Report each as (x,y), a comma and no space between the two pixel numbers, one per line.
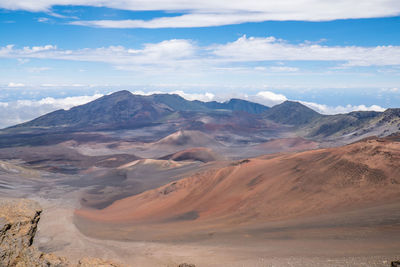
(123,110)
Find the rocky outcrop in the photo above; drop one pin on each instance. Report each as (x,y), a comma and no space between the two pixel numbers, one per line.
(186,265)
(18,224)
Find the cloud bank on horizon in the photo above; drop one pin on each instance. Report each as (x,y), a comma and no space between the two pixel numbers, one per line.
(15,112)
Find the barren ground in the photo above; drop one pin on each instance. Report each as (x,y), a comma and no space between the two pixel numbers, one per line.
(360,227)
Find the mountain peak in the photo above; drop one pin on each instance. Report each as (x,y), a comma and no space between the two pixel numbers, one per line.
(166,95)
(291,112)
(121,109)
(121,93)
(116,96)
(293,104)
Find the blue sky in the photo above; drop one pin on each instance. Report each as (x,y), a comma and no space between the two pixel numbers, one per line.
(335,57)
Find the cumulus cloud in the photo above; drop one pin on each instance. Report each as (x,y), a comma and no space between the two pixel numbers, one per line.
(63,103)
(195,96)
(36,49)
(19,111)
(165,53)
(204,13)
(268,98)
(325,109)
(265,49)
(185,54)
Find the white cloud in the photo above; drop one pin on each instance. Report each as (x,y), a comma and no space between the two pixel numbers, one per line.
(188,96)
(48,85)
(43,20)
(59,103)
(264,49)
(325,109)
(140,92)
(202,13)
(166,53)
(284,69)
(185,54)
(193,96)
(279,69)
(192,20)
(268,98)
(19,111)
(12,84)
(390,90)
(37,49)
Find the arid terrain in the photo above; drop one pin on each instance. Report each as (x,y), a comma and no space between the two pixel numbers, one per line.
(159,180)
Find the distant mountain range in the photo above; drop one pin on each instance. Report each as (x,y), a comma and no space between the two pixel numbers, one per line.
(126,110)
(169,112)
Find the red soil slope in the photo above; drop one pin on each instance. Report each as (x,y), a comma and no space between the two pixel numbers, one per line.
(288,145)
(268,188)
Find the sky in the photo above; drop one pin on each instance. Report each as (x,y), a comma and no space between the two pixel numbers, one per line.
(334,56)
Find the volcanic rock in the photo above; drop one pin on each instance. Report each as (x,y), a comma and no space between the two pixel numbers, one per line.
(18,224)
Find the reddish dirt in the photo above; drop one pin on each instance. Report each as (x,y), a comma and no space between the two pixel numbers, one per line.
(261,190)
(288,145)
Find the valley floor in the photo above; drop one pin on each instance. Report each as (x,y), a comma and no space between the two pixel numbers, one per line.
(361,238)
(316,246)
(366,234)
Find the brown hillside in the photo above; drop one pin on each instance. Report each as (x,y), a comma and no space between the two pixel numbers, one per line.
(266,189)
